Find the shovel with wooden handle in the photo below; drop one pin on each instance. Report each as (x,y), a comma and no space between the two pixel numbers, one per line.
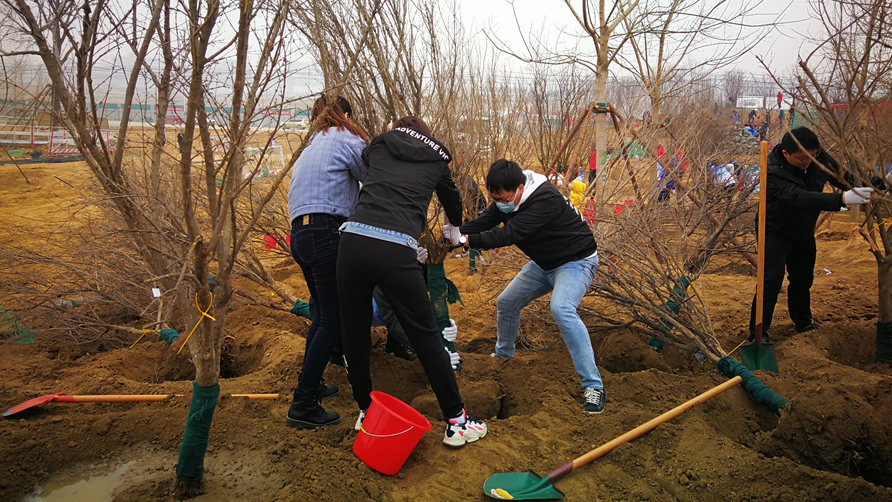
(530,486)
(61,397)
(758,355)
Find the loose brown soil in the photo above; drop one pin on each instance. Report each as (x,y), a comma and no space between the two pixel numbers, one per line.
(832,443)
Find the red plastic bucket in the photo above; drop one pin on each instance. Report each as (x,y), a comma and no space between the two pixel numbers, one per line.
(389,433)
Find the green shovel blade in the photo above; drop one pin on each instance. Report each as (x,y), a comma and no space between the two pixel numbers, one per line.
(759,356)
(520,486)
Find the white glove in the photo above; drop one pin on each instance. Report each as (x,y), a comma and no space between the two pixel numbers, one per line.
(450,333)
(857,195)
(454,358)
(451,233)
(422,255)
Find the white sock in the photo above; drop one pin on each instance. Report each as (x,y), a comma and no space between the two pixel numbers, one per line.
(461,419)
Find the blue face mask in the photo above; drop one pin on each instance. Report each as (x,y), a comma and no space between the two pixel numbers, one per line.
(506,207)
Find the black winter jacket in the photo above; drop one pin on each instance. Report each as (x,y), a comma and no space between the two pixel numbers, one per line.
(795,197)
(405,168)
(545,226)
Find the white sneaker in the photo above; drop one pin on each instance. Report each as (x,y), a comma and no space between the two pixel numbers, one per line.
(458,434)
(359,420)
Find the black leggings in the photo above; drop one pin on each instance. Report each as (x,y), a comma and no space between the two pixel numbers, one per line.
(363,263)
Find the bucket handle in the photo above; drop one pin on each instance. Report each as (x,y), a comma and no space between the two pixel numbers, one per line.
(361,428)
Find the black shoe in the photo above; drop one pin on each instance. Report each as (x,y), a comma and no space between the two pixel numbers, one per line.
(765,339)
(306,413)
(400,350)
(326,390)
(808,327)
(594,401)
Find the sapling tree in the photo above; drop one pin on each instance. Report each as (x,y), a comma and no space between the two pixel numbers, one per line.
(181,206)
(678,43)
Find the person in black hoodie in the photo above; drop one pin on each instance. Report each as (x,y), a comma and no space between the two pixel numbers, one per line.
(798,169)
(378,248)
(540,221)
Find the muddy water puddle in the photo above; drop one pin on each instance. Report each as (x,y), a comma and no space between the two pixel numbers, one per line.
(94,484)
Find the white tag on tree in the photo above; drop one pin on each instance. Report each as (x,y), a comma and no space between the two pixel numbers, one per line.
(156,292)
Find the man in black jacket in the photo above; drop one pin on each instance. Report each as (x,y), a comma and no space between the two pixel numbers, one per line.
(540,221)
(798,169)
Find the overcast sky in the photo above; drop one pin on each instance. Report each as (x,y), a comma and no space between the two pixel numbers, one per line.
(552,20)
(781,46)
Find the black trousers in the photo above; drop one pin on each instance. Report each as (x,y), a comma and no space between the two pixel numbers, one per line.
(797,256)
(363,263)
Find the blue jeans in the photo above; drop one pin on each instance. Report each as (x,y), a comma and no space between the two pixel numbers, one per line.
(567,284)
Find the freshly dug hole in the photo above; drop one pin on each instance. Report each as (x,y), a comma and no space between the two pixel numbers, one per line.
(838,431)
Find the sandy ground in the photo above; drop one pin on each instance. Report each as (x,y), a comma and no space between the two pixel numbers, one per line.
(832,442)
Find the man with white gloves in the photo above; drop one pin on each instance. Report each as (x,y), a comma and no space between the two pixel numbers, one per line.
(798,169)
(532,214)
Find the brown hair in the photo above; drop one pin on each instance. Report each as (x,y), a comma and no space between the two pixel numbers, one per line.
(336,115)
(415,123)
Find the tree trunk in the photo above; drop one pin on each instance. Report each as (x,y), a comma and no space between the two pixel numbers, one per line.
(603,175)
(883,352)
(884,276)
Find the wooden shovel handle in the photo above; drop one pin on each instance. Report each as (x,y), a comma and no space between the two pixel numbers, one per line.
(115,398)
(141,398)
(641,429)
(760,240)
(256,396)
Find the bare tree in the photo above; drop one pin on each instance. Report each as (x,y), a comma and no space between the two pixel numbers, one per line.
(678,43)
(554,102)
(733,86)
(179,210)
(606,24)
(414,64)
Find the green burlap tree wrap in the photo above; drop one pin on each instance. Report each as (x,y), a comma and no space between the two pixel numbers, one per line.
(473,254)
(301,309)
(443,292)
(190,466)
(12,329)
(656,343)
(168,335)
(678,295)
(452,294)
(884,343)
(752,385)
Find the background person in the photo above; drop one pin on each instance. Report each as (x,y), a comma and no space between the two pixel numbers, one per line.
(798,169)
(379,248)
(324,188)
(532,214)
